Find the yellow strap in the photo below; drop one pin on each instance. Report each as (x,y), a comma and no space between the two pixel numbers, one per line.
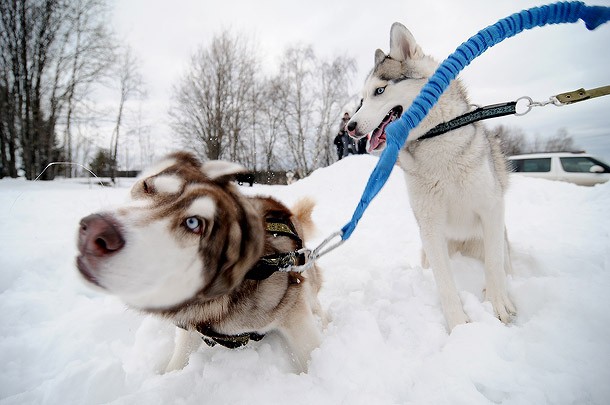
(279,227)
(582,94)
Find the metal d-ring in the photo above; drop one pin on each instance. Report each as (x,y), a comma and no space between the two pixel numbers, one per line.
(528,107)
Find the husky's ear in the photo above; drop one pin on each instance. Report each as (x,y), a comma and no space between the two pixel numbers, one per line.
(402,44)
(221,171)
(379,56)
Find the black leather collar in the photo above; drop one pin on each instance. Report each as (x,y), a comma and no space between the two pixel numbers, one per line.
(481,113)
(212,338)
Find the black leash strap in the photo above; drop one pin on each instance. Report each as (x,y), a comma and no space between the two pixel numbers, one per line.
(482,113)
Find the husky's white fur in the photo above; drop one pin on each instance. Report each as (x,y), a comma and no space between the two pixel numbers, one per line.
(456,181)
(182,248)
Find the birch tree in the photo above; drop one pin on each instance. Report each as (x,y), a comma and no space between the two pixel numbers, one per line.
(312,91)
(49,51)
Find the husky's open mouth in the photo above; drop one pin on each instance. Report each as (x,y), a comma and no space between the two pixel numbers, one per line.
(377,137)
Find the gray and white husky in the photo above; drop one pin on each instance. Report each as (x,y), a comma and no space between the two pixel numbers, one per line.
(456,181)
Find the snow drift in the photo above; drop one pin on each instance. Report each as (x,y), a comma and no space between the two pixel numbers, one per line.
(61,342)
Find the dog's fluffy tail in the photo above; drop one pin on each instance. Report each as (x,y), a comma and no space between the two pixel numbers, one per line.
(302,211)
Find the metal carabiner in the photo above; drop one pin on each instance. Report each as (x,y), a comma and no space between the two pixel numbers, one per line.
(531,103)
(312,255)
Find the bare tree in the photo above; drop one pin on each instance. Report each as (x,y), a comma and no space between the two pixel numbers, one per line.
(252,137)
(515,142)
(560,142)
(296,75)
(8,136)
(130,85)
(28,31)
(312,92)
(146,146)
(48,50)
(224,109)
(333,82)
(89,56)
(81,152)
(270,127)
(212,101)
(512,140)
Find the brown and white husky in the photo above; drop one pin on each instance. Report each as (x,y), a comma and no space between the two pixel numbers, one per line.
(190,248)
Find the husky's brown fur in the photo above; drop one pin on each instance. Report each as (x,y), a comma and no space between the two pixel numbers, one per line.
(231,242)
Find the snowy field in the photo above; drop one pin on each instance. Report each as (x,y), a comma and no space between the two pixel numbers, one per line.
(61,343)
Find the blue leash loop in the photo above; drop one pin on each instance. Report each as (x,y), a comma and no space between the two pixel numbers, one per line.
(398,131)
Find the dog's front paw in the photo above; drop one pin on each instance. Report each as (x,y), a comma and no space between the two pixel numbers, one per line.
(186,342)
(175,365)
(453,310)
(456,317)
(503,307)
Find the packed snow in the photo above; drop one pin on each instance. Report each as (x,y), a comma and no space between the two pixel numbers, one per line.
(386,342)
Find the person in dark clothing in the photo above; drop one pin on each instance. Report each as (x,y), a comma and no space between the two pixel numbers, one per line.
(342,141)
(361,146)
(340,146)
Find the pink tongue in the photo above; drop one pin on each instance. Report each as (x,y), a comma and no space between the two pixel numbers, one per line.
(374,139)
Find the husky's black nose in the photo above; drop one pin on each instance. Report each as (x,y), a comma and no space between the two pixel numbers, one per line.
(351,127)
(99,236)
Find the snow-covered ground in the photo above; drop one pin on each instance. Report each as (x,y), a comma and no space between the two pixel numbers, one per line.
(61,343)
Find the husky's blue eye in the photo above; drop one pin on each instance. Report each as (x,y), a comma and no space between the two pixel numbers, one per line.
(193,224)
(379,90)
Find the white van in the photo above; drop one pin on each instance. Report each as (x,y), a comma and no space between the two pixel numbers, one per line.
(574,167)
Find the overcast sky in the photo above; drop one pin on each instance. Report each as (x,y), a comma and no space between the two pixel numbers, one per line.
(536,63)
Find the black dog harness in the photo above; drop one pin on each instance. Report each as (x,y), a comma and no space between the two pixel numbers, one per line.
(263,269)
(267,265)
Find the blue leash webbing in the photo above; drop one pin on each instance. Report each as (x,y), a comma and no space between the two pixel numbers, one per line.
(398,131)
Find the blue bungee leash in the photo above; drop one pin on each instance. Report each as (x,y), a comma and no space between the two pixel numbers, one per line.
(398,131)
